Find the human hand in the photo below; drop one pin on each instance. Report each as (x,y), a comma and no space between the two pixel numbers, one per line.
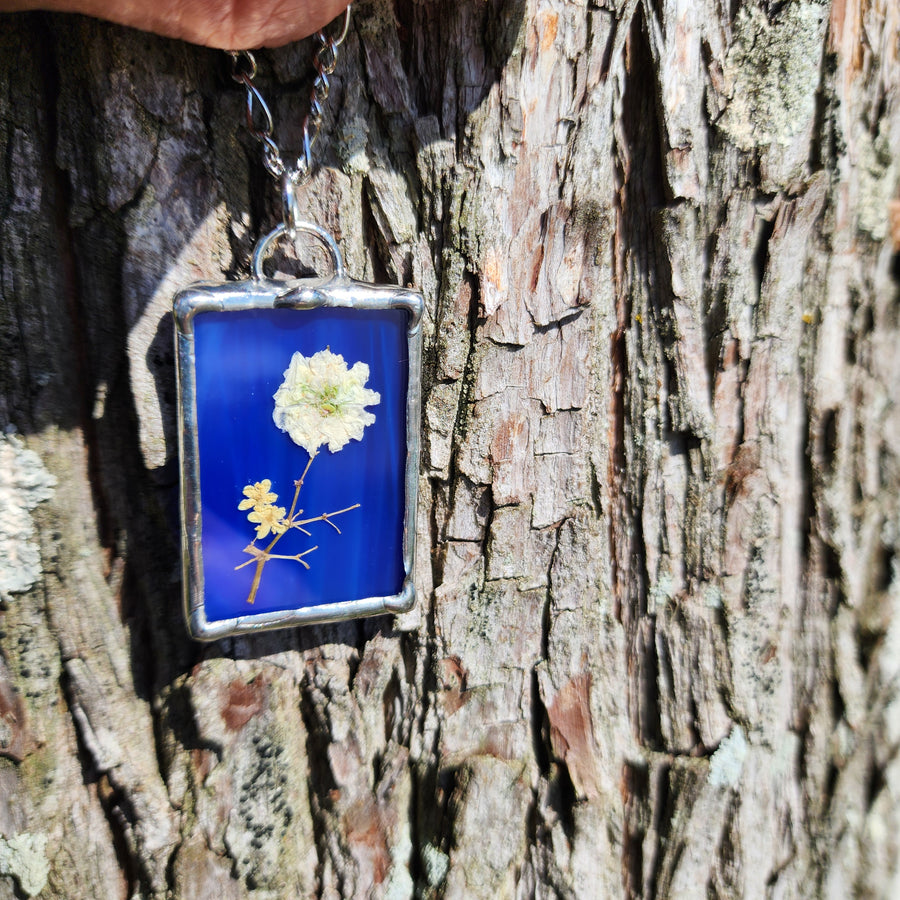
(227,24)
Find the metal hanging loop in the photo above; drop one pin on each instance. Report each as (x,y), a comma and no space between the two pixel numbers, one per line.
(261,251)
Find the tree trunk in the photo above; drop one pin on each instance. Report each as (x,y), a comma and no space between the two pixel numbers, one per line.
(657,645)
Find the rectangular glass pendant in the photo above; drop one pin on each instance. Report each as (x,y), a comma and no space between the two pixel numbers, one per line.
(299,437)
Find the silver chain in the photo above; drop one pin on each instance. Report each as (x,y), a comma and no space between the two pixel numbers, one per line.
(324,60)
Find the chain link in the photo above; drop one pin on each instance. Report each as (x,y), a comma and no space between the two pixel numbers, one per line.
(259,116)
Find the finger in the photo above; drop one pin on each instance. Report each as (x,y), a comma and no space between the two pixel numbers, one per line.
(226,24)
(245,24)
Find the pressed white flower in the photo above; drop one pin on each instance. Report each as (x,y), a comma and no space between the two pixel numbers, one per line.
(257,495)
(268,518)
(321,401)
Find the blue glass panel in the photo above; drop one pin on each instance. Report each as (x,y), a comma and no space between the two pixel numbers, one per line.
(241,358)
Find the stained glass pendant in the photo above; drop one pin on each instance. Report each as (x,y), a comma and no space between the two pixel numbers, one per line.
(299,440)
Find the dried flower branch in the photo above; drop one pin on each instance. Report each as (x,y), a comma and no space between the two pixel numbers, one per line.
(320,402)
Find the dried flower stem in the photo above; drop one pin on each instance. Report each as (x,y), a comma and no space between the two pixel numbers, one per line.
(264,557)
(261,557)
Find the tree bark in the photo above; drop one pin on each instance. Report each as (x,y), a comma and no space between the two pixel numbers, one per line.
(657,645)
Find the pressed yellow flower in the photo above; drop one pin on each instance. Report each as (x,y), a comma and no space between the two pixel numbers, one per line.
(321,401)
(268,518)
(257,495)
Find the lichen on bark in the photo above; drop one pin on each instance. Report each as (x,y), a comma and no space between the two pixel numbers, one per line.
(24,482)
